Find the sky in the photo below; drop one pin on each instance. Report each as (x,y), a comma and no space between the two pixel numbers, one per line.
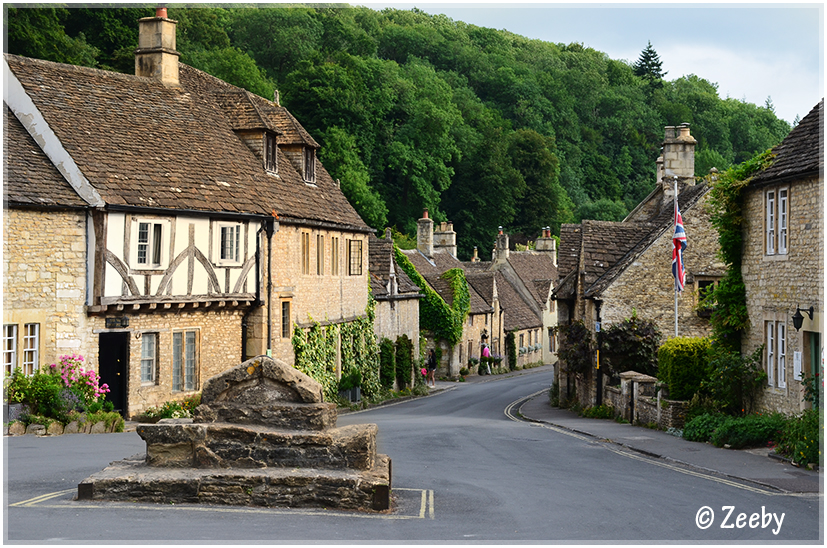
(752,51)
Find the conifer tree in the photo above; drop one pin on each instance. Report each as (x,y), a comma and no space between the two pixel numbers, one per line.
(648,67)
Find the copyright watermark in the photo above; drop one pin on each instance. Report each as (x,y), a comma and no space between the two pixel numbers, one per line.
(705,518)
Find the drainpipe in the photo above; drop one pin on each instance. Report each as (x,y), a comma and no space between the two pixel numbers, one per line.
(270,227)
(599,373)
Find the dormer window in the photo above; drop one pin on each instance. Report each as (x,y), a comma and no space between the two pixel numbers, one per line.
(270,153)
(309,165)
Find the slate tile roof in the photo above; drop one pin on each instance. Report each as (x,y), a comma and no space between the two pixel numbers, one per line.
(518,314)
(801,153)
(141,144)
(29,177)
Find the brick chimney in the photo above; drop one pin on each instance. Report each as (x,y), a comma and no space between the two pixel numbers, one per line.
(446,239)
(156,56)
(425,235)
(678,160)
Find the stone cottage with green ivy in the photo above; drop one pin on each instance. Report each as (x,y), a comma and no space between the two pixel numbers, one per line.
(168,225)
(782,265)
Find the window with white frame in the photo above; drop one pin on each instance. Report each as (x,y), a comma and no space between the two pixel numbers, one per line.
(149,357)
(9,348)
(775,342)
(31,348)
(776,221)
(184,360)
(270,153)
(150,242)
(309,165)
(227,243)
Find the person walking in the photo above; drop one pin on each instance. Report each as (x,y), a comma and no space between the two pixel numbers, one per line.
(431,368)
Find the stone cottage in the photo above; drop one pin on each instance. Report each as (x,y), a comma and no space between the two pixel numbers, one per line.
(611,270)
(166,225)
(783,264)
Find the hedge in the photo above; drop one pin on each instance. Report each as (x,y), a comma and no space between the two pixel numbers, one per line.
(683,365)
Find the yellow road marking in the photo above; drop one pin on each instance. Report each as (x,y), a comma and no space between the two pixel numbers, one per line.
(41,498)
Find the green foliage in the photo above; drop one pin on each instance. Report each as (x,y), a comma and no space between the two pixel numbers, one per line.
(445,322)
(601,411)
(648,66)
(349,380)
(682,365)
(814,388)
(554,394)
(701,427)
(576,348)
(728,299)
(315,352)
(404,361)
(387,363)
(16,386)
(40,33)
(734,381)
(748,431)
(511,350)
(632,345)
(800,439)
(173,409)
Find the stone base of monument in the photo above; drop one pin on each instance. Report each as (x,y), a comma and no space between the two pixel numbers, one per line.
(276,445)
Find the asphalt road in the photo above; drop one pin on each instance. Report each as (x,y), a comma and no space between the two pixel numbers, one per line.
(463,471)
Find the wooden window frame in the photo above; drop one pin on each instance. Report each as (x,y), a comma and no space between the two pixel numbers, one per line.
(186,359)
(355,257)
(149,362)
(31,348)
(10,347)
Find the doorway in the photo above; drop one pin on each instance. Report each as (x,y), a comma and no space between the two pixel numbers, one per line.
(113,362)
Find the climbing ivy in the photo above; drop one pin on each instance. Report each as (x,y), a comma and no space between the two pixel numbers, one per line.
(387,363)
(729,299)
(511,350)
(445,322)
(315,351)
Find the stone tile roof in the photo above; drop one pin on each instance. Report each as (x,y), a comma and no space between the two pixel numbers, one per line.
(518,314)
(483,284)
(242,111)
(569,253)
(141,144)
(29,177)
(380,252)
(801,153)
(536,269)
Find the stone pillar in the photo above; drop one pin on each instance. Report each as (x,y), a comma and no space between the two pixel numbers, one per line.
(156,56)
(425,235)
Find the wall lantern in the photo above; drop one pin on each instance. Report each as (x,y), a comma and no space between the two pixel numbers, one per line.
(798,318)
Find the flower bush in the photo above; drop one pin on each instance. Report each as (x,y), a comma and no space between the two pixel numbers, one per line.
(85,383)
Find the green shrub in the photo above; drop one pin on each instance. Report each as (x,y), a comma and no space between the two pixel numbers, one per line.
(387,363)
(814,388)
(554,394)
(748,431)
(800,439)
(464,371)
(601,411)
(511,350)
(682,365)
(631,345)
(16,386)
(734,380)
(576,348)
(404,361)
(701,427)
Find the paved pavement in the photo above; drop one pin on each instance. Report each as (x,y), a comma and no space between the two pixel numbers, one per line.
(752,465)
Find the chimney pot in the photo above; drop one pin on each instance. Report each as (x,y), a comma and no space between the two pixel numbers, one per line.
(425,213)
(161,11)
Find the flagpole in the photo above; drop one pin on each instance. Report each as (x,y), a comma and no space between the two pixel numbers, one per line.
(676,272)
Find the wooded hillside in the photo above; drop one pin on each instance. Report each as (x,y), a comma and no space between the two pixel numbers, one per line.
(483,127)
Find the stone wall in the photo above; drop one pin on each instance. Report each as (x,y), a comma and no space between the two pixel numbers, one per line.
(777,284)
(44,280)
(398,317)
(647,286)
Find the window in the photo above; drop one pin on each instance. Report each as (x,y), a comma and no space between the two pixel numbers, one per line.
(776,221)
(285,319)
(9,348)
(319,255)
(149,354)
(776,353)
(151,240)
(184,360)
(270,153)
(334,256)
(229,242)
(470,321)
(355,254)
(551,346)
(309,165)
(305,253)
(781,354)
(31,347)
(522,340)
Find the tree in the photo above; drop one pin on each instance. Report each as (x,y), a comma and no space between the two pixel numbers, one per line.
(648,67)
(39,33)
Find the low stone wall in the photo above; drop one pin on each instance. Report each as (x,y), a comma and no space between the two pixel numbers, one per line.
(673,413)
(637,400)
(17,428)
(646,409)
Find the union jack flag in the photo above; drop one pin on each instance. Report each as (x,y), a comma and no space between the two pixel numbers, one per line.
(678,245)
